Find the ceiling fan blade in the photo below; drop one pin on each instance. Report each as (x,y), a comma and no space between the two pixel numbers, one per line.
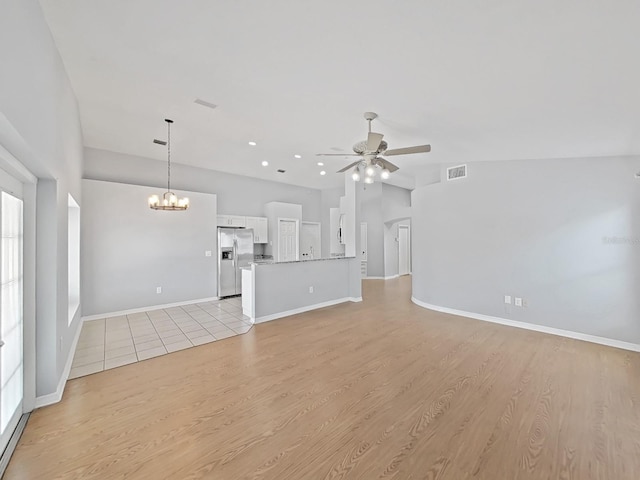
(373,141)
(409,150)
(349,166)
(336,155)
(388,165)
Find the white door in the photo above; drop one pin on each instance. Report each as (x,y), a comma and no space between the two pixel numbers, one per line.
(287,240)
(310,240)
(11,309)
(404,250)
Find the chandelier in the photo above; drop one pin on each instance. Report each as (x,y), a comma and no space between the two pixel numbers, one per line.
(169,199)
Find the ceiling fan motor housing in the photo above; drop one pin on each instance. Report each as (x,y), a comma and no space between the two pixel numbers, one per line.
(361,148)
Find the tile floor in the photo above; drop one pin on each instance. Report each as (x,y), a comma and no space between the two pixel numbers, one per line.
(116,341)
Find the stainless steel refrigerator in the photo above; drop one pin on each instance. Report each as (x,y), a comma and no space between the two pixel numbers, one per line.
(235,250)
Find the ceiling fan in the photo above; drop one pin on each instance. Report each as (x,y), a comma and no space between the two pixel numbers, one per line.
(370,151)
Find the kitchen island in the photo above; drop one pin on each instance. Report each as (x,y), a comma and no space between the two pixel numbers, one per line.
(278,289)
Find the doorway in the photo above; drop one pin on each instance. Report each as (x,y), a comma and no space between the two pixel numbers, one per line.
(404,250)
(288,243)
(310,241)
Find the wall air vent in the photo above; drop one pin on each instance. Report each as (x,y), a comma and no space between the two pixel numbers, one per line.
(455,173)
(159,142)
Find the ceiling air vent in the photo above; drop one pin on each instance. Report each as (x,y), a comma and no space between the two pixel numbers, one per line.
(280,170)
(455,173)
(204,103)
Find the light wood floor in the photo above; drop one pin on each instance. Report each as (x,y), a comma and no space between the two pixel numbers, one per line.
(381,389)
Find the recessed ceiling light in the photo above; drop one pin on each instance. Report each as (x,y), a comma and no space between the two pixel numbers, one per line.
(297,156)
(323,172)
(320,164)
(265,163)
(253,144)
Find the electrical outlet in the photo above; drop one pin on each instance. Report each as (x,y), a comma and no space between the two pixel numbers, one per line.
(207,253)
(158,289)
(507,299)
(310,289)
(518,302)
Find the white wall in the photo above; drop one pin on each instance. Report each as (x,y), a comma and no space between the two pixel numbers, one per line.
(237,195)
(371,213)
(40,126)
(129,249)
(332,280)
(537,230)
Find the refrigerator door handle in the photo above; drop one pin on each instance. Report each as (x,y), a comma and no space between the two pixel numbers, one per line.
(235,253)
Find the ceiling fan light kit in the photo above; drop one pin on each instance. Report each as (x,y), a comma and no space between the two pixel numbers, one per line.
(371,150)
(169,200)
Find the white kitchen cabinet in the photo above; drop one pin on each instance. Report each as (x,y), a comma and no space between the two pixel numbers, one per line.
(260,228)
(231,221)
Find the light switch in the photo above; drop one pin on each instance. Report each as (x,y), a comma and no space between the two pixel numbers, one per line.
(518,302)
(507,299)
(207,253)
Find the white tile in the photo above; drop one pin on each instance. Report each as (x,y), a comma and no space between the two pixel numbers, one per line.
(88,358)
(202,340)
(221,335)
(191,328)
(145,338)
(126,342)
(242,329)
(86,370)
(173,339)
(119,352)
(120,361)
(149,345)
(174,347)
(196,333)
(152,352)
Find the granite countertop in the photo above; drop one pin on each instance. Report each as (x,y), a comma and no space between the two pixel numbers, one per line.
(269,262)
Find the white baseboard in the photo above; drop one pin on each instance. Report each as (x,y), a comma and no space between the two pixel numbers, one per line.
(530,326)
(268,318)
(380,278)
(56,396)
(146,309)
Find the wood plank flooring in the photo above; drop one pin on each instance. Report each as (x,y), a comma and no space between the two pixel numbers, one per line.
(378,390)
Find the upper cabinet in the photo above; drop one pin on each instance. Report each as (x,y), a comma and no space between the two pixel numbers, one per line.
(258,224)
(231,221)
(260,228)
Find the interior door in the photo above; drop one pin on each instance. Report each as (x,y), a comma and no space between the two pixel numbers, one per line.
(310,240)
(11,306)
(404,250)
(287,240)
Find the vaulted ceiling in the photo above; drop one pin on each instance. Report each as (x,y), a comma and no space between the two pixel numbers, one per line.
(490,80)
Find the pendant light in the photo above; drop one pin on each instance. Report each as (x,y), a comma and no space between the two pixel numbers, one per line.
(169,199)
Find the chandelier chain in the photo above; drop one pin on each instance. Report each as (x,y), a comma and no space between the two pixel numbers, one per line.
(168,156)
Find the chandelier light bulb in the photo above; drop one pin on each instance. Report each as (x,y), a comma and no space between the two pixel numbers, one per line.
(385,174)
(356,175)
(370,171)
(368,180)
